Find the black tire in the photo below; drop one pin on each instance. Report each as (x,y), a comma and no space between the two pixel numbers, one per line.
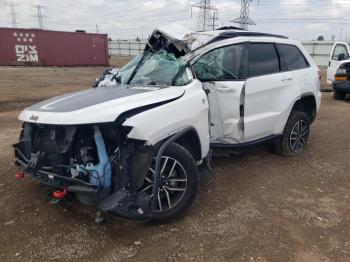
(339,95)
(185,163)
(287,146)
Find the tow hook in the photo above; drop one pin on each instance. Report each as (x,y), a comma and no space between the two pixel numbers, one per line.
(19,175)
(60,194)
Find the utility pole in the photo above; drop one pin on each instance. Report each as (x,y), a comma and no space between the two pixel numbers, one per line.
(244,19)
(96,29)
(215,18)
(204,16)
(40,15)
(13,14)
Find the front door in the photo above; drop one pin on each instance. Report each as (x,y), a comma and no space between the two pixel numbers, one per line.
(222,72)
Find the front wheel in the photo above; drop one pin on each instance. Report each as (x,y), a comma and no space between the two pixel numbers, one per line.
(295,135)
(178,185)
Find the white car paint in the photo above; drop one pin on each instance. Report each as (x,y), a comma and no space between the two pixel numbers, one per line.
(160,122)
(99,113)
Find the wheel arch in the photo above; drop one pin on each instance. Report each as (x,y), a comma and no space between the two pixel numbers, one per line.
(307,104)
(191,142)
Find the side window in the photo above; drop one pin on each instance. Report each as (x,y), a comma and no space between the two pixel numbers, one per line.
(224,63)
(262,59)
(293,58)
(340,50)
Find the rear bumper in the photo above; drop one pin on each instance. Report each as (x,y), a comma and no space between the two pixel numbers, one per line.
(341,86)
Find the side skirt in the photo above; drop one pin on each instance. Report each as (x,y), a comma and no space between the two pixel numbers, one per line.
(246,145)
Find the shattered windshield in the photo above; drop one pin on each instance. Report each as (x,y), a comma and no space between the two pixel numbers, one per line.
(126,71)
(160,68)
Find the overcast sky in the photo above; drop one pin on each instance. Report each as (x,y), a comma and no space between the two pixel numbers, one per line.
(301,19)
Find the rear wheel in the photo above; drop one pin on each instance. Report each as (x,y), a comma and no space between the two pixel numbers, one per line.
(178,185)
(339,95)
(295,135)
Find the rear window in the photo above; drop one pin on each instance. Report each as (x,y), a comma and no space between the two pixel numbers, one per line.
(292,56)
(262,59)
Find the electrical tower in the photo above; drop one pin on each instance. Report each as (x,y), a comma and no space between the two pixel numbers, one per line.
(13,14)
(40,15)
(244,19)
(205,19)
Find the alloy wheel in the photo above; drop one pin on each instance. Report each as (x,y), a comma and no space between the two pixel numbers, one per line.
(173,183)
(298,136)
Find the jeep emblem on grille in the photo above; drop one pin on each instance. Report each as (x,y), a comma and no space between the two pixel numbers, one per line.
(34,118)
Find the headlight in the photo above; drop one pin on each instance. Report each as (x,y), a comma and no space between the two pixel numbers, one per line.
(341,71)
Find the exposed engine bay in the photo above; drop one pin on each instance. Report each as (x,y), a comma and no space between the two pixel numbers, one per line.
(92,162)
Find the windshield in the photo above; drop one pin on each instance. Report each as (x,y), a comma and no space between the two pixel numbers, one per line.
(160,68)
(126,71)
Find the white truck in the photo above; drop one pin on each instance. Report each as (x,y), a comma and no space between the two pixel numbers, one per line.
(338,72)
(136,148)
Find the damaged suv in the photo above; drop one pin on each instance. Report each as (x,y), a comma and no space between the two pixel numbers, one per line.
(136,148)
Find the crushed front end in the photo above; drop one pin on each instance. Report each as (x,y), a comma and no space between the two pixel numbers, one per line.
(96,163)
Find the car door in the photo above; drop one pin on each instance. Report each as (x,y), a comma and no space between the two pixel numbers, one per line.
(268,92)
(340,52)
(222,72)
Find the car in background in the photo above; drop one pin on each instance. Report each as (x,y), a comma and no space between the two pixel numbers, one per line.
(338,72)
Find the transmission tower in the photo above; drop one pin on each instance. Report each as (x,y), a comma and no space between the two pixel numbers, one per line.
(244,19)
(13,14)
(205,19)
(40,15)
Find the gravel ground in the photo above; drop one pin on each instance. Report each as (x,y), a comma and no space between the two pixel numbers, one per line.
(256,206)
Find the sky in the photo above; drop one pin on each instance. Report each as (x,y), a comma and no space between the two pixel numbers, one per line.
(128,19)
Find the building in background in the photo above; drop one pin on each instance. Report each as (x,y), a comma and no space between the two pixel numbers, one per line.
(52,48)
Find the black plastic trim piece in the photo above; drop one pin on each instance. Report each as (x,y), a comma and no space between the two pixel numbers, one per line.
(246,145)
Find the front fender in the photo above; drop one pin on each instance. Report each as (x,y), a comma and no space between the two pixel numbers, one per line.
(191,110)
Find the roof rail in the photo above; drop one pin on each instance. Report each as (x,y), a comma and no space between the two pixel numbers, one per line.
(227,35)
(229,28)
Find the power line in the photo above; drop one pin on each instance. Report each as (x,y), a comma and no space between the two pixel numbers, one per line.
(204,16)
(40,15)
(13,14)
(244,19)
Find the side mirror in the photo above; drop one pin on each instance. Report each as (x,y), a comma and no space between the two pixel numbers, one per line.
(341,57)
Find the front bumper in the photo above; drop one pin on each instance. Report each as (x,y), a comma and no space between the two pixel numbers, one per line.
(341,86)
(32,168)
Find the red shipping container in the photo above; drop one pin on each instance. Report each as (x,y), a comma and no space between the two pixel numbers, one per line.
(52,48)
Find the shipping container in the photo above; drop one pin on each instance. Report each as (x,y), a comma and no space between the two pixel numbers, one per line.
(52,48)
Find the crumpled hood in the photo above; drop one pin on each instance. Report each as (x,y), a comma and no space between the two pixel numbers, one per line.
(98,105)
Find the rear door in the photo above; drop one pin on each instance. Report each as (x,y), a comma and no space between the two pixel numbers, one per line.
(222,72)
(340,52)
(268,92)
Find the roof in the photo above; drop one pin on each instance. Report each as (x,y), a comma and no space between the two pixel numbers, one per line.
(232,34)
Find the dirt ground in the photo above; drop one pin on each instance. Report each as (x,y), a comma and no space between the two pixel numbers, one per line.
(256,206)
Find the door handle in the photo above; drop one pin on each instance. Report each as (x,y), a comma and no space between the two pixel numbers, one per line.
(287,78)
(226,89)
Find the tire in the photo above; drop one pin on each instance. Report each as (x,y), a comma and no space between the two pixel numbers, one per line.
(295,135)
(183,166)
(339,95)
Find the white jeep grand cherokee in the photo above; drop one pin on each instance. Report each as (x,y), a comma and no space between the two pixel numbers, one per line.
(136,148)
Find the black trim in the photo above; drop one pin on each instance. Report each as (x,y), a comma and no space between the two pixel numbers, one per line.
(228,35)
(246,145)
(130,113)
